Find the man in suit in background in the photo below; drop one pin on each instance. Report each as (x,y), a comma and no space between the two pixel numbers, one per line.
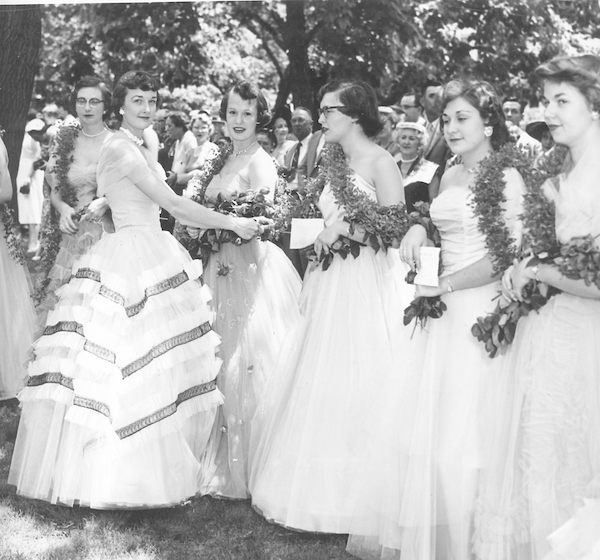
(436,149)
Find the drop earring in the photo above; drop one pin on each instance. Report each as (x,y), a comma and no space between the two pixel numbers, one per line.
(595,115)
(488,131)
(121,112)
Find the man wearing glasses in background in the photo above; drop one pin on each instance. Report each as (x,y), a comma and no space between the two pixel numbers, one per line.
(411,106)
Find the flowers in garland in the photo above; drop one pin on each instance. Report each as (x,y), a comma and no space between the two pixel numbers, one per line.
(380,226)
(577,259)
(487,200)
(50,234)
(11,234)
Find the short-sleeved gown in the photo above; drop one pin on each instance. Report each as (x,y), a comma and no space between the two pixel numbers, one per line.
(83,179)
(256,303)
(324,456)
(546,460)
(121,393)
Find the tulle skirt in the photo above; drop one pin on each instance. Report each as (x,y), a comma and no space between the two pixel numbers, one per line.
(17,322)
(433,500)
(325,431)
(546,460)
(255,295)
(72,247)
(121,394)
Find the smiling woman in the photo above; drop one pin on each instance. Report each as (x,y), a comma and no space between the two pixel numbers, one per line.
(255,293)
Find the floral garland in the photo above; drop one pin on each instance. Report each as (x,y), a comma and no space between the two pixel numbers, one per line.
(381,226)
(577,259)
(50,234)
(487,199)
(11,231)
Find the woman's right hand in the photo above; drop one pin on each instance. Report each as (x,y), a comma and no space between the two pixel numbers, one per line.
(66,223)
(246,228)
(410,246)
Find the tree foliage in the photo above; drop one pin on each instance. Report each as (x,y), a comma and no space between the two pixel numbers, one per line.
(295,46)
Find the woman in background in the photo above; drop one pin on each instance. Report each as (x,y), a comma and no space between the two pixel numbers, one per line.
(71,176)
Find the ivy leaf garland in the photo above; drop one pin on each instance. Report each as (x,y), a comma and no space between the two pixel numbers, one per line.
(380,226)
(578,259)
(487,200)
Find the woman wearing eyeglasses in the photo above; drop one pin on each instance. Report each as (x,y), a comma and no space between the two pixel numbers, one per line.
(75,223)
(320,439)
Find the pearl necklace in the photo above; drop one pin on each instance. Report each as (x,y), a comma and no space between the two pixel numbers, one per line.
(243,151)
(94,135)
(408,160)
(137,141)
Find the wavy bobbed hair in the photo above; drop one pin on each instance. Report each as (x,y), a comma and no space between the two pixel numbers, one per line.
(582,72)
(360,102)
(92,82)
(484,98)
(135,79)
(248,91)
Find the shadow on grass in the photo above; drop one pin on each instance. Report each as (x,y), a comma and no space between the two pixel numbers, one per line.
(203,529)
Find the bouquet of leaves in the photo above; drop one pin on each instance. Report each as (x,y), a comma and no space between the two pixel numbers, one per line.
(577,259)
(248,204)
(423,308)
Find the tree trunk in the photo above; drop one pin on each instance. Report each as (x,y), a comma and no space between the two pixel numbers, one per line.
(299,72)
(20,40)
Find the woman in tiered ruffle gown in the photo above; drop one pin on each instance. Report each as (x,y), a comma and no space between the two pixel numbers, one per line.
(121,393)
(77,184)
(545,464)
(321,437)
(255,294)
(17,316)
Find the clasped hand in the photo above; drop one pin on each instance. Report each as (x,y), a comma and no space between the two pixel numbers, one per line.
(329,236)
(515,278)
(410,246)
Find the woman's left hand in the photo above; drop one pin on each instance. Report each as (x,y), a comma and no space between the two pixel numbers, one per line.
(329,236)
(96,209)
(520,277)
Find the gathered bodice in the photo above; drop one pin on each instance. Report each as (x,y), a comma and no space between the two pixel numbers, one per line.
(121,167)
(331,210)
(83,178)
(230,183)
(462,241)
(577,206)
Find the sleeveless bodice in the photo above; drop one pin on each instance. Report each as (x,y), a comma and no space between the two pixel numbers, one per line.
(83,178)
(331,210)
(121,166)
(462,242)
(577,208)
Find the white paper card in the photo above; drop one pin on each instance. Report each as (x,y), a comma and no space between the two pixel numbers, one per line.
(305,231)
(427,275)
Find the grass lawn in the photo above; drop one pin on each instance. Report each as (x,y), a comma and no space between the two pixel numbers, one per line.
(204,529)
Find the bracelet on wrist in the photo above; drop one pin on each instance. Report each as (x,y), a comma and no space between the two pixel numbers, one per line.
(449,287)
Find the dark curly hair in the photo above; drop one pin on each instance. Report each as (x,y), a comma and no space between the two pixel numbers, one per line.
(248,91)
(483,97)
(360,102)
(92,82)
(135,79)
(582,72)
